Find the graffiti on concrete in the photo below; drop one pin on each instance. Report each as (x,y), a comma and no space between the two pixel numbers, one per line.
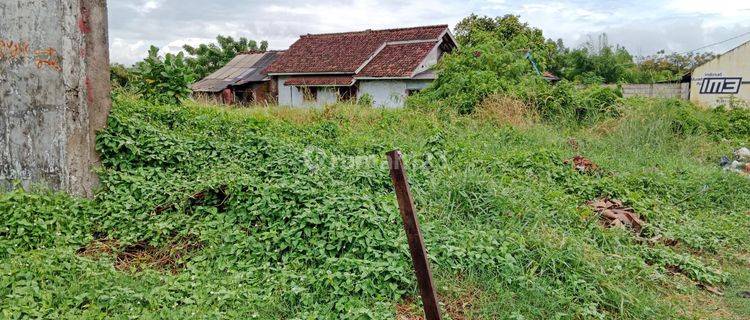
(12,51)
(20,52)
(47,58)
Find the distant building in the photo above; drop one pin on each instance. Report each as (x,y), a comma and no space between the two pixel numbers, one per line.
(388,65)
(724,80)
(241,81)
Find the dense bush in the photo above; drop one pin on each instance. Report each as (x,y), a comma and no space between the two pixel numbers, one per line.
(494,61)
(718,123)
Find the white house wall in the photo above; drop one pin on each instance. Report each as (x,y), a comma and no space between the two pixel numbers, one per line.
(389,93)
(715,83)
(326,95)
(430,60)
(291,96)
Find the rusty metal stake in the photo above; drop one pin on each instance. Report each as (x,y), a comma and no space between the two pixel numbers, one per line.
(414,236)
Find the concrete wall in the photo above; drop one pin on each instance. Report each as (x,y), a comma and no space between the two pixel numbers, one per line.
(389,93)
(724,80)
(385,93)
(54,92)
(288,96)
(655,90)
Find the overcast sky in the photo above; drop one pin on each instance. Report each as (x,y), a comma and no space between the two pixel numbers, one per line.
(642,27)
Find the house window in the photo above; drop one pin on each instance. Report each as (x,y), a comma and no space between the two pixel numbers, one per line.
(309,94)
(411,92)
(347,93)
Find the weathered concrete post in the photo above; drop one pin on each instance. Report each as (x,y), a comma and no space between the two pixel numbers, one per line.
(54,92)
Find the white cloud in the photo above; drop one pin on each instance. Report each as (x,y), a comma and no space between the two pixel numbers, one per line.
(148,6)
(726,8)
(123,51)
(176,45)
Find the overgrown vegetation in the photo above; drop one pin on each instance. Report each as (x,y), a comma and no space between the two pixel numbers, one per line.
(595,61)
(278,213)
(163,79)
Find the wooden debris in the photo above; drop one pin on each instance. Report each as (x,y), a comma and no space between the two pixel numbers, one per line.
(711,289)
(614,214)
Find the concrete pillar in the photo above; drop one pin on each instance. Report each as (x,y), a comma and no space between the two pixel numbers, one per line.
(54,92)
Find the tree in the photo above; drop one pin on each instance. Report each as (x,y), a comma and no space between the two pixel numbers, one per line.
(492,59)
(163,79)
(207,58)
(676,64)
(506,30)
(596,61)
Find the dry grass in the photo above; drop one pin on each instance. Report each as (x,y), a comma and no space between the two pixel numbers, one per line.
(141,256)
(503,110)
(456,304)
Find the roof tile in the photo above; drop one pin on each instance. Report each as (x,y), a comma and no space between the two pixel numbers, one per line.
(344,52)
(397,60)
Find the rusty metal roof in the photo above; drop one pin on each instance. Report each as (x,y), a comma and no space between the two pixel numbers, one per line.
(244,68)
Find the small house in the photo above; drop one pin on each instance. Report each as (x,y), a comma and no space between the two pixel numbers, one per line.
(385,65)
(241,81)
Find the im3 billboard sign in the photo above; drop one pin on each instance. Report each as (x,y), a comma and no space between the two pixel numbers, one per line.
(720,85)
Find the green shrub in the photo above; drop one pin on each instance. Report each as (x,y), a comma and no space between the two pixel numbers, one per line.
(163,79)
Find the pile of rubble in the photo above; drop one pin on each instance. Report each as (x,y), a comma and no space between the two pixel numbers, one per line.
(582,164)
(740,164)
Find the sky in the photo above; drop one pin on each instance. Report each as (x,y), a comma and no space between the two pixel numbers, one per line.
(643,27)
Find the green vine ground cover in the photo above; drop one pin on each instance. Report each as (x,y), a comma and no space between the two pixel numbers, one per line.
(273,213)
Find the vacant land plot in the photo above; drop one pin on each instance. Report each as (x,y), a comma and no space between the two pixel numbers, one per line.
(274,213)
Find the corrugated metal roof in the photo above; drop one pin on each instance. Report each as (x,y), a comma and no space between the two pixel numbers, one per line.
(242,69)
(258,68)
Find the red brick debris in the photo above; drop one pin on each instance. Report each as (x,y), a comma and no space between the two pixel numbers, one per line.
(582,164)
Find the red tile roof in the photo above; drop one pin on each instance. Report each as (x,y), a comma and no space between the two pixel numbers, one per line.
(344,52)
(320,81)
(397,60)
